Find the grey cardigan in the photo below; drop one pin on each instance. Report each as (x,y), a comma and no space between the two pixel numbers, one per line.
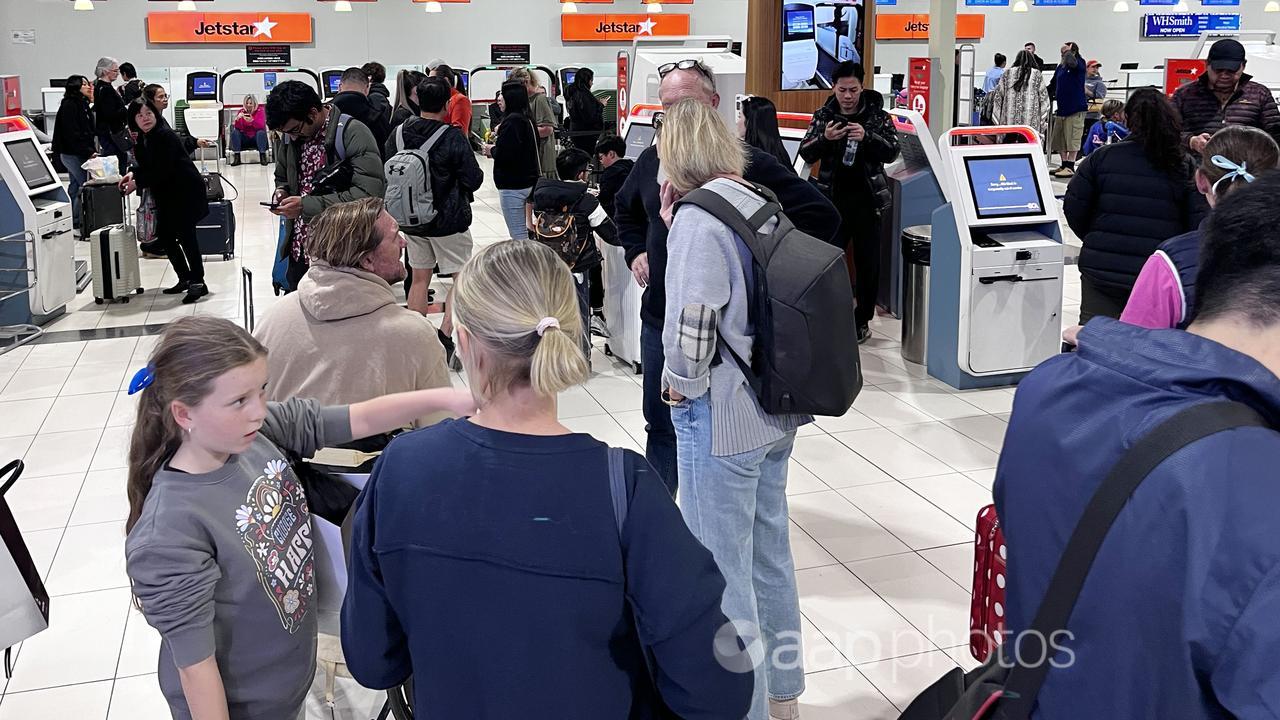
(707,306)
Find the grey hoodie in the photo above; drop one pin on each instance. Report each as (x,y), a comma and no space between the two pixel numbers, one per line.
(223,565)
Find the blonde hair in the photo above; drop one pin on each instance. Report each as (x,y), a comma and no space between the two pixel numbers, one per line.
(525,76)
(696,145)
(500,297)
(344,234)
(249,97)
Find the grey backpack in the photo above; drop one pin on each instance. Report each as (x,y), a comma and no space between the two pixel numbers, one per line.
(408,172)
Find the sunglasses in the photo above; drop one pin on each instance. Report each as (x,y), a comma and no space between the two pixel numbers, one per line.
(667,69)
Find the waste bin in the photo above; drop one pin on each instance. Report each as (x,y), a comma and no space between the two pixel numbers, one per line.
(916,243)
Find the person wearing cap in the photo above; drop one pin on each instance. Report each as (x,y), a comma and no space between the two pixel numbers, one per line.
(1095,91)
(1224,95)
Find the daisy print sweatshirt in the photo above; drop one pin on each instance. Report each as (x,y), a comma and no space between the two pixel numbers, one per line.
(222,564)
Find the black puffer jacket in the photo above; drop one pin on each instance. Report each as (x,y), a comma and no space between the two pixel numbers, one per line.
(455,175)
(74,129)
(1202,111)
(164,167)
(380,99)
(362,108)
(1122,207)
(865,179)
(560,195)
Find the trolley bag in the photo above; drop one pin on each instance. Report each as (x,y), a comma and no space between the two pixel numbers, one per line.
(216,234)
(101,204)
(622,299)
(24,602)
(1005,688)
(986,612)
(113,258)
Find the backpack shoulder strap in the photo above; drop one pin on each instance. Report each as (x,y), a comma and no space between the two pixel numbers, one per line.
(400,138)
(618,487)
(435,137)
(340,139)
(1183,429)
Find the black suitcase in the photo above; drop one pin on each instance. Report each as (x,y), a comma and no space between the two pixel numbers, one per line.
(100,205)
(216,234)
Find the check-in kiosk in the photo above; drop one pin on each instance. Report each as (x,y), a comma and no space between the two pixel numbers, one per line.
(649,54)
(37,246)
(916,185)
(203,114)
(995,290)
(330,79)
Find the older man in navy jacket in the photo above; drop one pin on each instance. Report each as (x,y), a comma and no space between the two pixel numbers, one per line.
(1180,615)
(644,235)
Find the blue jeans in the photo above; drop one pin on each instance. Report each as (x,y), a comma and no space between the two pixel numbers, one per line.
(737,507)
(512,202)
(660,446)
(78,176)
(239,140)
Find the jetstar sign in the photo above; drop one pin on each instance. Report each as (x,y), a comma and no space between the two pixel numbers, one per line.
(228,28)
(596,28)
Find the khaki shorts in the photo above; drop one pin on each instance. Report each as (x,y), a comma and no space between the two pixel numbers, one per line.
(1066,133)
(449,253)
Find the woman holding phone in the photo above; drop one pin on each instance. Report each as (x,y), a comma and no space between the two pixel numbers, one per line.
(249,128)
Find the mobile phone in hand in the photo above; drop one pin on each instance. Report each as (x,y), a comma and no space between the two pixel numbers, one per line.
(271,205)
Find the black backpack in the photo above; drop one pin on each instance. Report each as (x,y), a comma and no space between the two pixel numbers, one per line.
(805,354)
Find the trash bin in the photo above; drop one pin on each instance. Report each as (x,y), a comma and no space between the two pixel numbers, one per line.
(916,244)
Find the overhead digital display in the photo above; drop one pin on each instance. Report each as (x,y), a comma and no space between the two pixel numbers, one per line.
(1004,186)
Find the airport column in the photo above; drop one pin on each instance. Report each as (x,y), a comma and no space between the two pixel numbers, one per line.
(942,48)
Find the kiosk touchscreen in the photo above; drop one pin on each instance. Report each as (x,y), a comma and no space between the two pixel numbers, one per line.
(37,244)
(329,81)
(996,266)
(639,136)
(202,86)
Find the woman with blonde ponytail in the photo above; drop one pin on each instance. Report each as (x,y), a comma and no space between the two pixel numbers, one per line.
(487,554)
(219,536)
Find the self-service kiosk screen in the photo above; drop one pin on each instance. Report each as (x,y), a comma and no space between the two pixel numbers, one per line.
(797,25)
(569,75)
(334,81)
(793,147)
(639,138)
(203,87)
(1004,186)
(30,163)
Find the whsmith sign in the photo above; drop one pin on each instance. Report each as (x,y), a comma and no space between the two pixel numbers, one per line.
(1184,25)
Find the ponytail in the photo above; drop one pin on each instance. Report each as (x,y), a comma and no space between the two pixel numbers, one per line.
(517,302)
(191,355)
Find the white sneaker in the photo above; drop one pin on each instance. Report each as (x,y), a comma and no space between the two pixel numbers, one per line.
(784,709)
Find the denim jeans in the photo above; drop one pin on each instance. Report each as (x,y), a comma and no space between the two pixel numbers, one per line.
(239,140)
(737,507)
(512,202)
(78,176)
(660,446)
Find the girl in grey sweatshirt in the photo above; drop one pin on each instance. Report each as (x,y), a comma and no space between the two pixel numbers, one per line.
(219,547)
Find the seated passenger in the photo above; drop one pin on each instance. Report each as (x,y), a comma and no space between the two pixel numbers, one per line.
(1178,616)
(1164,295)
(486,555)
(552,203)
(249,129)
(1126,199)
(342,337)
(1108,129)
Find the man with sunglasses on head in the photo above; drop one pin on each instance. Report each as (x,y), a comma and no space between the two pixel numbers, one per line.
(644,235)
(1224,95)
(315,167)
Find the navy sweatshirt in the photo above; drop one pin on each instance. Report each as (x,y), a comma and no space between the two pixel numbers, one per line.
(641,229)
(489,566)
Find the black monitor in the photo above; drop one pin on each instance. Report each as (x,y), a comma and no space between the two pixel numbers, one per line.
(1004,186)
(202,86)
(31,163)
(797,22)
(568,75)
(1129,66)
(639,138)
(464,81)
(334,81)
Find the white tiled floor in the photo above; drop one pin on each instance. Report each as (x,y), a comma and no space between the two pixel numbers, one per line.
(883,502)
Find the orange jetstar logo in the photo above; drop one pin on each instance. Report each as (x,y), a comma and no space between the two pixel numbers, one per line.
(228,28)
(891,26)
(595,28)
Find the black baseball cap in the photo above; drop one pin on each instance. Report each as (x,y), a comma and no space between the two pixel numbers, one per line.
(1226,54)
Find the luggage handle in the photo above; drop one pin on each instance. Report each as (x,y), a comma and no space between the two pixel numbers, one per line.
(14,470)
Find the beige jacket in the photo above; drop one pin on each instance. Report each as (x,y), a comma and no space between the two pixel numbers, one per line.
(342,338)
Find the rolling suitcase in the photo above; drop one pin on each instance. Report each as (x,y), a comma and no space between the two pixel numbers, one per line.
(101,204)
(622,295)
(216,234)
(986,613)
(114,259)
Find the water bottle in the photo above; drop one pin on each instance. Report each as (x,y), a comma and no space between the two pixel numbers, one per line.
(850,152)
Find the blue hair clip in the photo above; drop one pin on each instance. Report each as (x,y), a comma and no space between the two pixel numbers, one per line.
(142,380)
(1236,171)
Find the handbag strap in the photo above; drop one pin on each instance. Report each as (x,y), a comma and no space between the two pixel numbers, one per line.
(1184,428)
(14,471)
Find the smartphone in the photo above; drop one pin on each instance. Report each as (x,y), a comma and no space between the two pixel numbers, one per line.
(271,205)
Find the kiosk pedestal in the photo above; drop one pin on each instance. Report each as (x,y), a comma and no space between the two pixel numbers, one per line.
(37,252)
(995,291)
(916,186)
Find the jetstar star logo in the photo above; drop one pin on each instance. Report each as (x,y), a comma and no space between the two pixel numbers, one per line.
(261,28)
